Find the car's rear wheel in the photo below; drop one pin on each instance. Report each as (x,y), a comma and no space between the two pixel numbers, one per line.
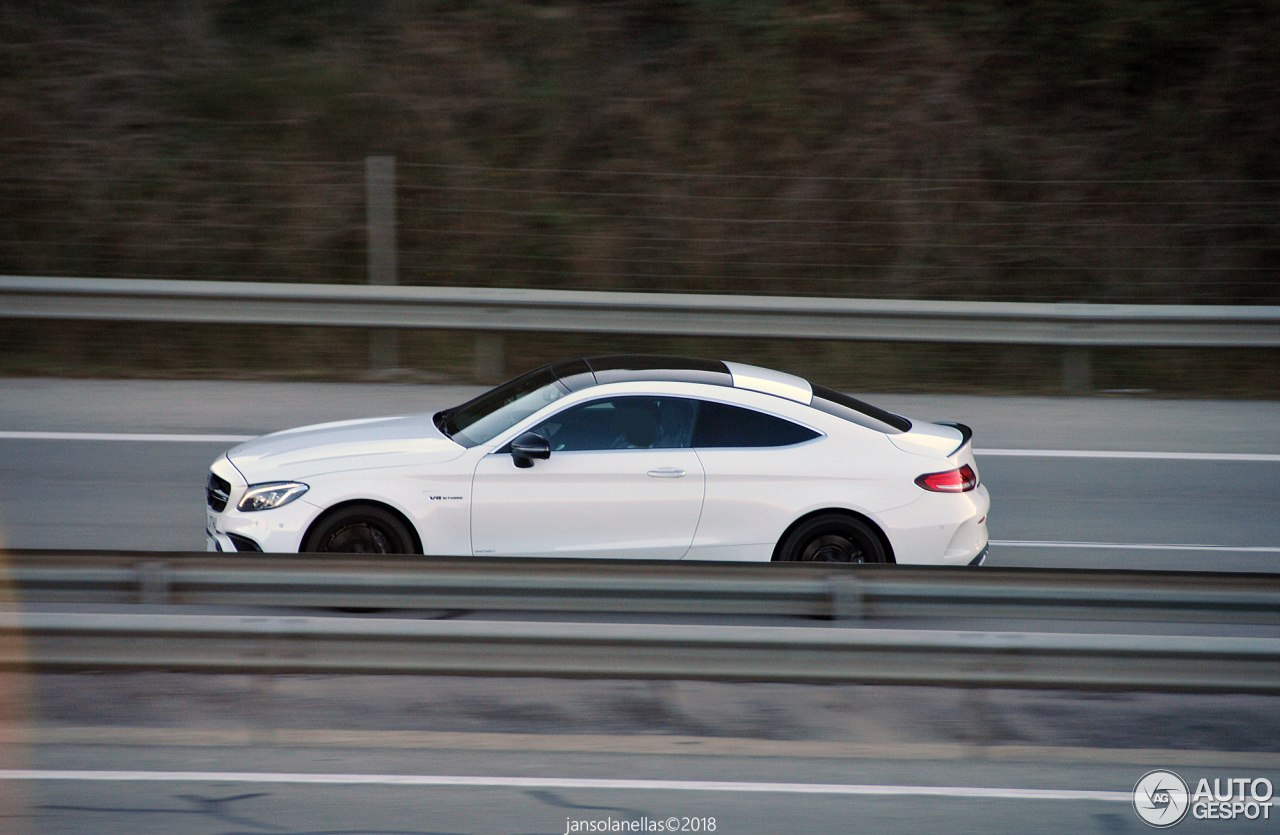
(360,529)
(832,538)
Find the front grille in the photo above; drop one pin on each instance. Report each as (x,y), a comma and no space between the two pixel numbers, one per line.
(217,493)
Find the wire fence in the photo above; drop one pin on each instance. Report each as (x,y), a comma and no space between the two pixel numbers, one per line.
(1210,241)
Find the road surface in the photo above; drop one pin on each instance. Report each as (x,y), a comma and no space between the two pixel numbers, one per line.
(1075,482)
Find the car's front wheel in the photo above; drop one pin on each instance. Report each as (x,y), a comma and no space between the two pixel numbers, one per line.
(832,538)
(360,529)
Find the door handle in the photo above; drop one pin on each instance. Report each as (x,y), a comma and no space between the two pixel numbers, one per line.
(666,472)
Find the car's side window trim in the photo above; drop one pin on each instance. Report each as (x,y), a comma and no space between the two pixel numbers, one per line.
(814,439)
(533,421)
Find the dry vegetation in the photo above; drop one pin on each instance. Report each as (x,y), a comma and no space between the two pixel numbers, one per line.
(1083,150)
(1044,150)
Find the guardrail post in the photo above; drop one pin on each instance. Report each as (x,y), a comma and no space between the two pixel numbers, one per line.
(380,195)
(153,584)
(1077,370)
(490,348)
(847,597)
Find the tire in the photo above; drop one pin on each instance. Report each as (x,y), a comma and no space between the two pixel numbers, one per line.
(360,529)
(832,537)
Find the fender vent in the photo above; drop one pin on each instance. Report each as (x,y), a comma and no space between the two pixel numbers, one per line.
(244,543)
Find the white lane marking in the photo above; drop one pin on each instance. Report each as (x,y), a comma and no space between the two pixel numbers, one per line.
(1102,453)
(1134,546)
(566,783)
(118,436)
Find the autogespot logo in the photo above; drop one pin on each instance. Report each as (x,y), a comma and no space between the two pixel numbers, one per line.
(1161,798)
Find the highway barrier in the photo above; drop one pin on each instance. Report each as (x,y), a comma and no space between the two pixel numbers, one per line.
(493,310)
(280,645)
(840,592)
(160,635)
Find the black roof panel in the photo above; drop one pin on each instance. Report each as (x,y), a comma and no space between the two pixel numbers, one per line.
(575,374)
(621,368)
(578,374)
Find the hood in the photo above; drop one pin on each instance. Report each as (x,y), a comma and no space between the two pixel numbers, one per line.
(935,440)
(347,445)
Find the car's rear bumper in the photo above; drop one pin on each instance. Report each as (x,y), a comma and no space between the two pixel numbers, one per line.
(940,528)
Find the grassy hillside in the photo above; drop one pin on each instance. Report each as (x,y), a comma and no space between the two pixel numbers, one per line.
(1046,150)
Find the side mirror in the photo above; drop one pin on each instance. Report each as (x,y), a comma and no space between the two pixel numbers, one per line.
(528,447)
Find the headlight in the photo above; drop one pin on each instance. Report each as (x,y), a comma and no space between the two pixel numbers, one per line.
(267,496)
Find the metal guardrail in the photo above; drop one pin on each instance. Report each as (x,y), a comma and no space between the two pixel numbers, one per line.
(673,588)
(64,641)
(602,312)
(838,653)
(493,310)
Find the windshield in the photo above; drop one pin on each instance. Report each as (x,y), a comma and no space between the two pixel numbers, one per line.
(478,421)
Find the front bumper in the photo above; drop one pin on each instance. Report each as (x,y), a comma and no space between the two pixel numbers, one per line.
(214,541)
(279,530)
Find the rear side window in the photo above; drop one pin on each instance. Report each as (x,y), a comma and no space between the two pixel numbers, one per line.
(855,411)
(722,425)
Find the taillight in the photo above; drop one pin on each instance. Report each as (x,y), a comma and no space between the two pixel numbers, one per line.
(952,481)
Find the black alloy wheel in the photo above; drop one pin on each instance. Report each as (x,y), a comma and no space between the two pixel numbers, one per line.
(360,529)
(833,538)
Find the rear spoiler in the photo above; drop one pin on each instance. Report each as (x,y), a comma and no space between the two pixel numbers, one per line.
(966,434)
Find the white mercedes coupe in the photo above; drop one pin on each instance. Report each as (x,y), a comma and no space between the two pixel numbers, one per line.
(637,457)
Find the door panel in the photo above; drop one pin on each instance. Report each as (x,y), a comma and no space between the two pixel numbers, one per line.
(632,503)
(752,495)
